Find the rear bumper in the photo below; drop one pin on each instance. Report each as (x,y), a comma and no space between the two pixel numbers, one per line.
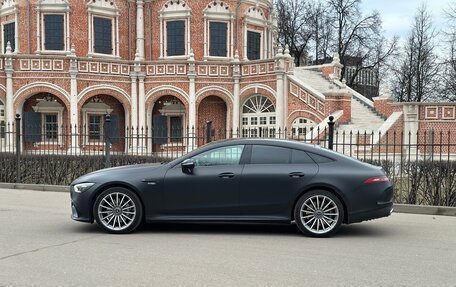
(383,209)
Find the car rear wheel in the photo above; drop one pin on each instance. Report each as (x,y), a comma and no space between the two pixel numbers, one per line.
(118,210)
(318,213)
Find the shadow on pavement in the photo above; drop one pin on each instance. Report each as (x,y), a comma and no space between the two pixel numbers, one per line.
(354,230)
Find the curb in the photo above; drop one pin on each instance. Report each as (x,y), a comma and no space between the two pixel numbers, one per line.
(38,187)
(425,209)
(399,208)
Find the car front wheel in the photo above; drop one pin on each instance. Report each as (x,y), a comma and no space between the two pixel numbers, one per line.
(318,213)
(118,210)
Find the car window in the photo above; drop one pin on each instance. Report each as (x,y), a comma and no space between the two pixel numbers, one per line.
(319,158)
(262,154)
(229,155)
(300,157)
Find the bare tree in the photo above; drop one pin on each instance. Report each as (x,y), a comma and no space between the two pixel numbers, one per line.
(293,25)
(448,90)
(359,41)
(418,71)
(322,33)
(356,35)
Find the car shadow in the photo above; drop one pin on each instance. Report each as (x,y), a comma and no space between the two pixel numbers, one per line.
(354,230)
(220,228)
(363,230)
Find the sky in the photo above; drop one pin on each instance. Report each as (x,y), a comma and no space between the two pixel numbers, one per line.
(397,15)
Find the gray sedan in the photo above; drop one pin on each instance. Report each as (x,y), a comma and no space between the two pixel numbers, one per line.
(240,180)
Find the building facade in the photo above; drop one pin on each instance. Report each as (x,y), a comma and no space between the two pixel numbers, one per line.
(162,67)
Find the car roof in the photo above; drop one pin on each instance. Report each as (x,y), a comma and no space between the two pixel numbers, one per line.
(313,148)
(265,141)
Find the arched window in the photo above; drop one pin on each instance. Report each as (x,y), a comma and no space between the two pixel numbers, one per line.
(258,117)
(301,126)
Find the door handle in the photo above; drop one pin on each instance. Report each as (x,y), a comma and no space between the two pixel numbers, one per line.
(226,175)
(296,174)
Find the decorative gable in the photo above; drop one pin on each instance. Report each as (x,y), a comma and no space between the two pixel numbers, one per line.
(107,7)
(255,15)
(53,5)
(7,7)
(175,8)
(217,7)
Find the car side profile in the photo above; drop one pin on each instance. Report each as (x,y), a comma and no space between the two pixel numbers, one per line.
(238,180)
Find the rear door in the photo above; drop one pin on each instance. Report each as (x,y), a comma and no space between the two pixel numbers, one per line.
(272,179)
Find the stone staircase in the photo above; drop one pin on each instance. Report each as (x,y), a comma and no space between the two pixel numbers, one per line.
(363,119)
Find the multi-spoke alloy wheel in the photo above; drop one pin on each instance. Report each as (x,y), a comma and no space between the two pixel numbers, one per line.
(318,213)
(118,210)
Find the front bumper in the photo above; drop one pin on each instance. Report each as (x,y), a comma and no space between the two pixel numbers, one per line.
(76,215)
(81,205)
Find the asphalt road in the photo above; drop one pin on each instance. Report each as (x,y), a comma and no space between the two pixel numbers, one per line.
(41,246)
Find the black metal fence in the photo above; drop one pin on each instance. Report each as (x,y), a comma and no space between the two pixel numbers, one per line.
(422,165)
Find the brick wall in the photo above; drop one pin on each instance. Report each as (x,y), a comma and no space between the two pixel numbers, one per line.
(339,102)
(386,106)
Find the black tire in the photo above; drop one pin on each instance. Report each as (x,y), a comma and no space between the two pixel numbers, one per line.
(126,216)
(321,212)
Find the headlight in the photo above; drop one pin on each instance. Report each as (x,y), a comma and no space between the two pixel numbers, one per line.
(81,187)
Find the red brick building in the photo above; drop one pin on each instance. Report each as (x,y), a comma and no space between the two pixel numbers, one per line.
(163,65)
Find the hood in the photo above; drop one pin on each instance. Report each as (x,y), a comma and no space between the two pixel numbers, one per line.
(126,172)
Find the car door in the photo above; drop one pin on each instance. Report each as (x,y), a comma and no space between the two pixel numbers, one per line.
(211,189)
(272,179)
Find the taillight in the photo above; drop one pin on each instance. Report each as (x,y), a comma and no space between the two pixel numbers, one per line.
(377,179)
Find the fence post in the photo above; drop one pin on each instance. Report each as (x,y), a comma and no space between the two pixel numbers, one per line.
(331,124)
(18,148)
(208,131)
(431,144)
(107,127)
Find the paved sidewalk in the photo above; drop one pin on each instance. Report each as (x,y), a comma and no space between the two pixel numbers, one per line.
(41,246)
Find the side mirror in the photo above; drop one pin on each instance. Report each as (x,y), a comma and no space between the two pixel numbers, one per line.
(188,165)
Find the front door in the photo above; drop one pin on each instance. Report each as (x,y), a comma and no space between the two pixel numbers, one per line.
(212,189)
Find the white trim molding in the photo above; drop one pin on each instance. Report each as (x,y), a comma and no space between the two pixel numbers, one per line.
(218,11)
(46,107)
(52,7)
(255,16)
(7,8)
(105,87)
(103,9)
(174,11)
(179,91)
(258,86)
(25,88)
(94,108)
